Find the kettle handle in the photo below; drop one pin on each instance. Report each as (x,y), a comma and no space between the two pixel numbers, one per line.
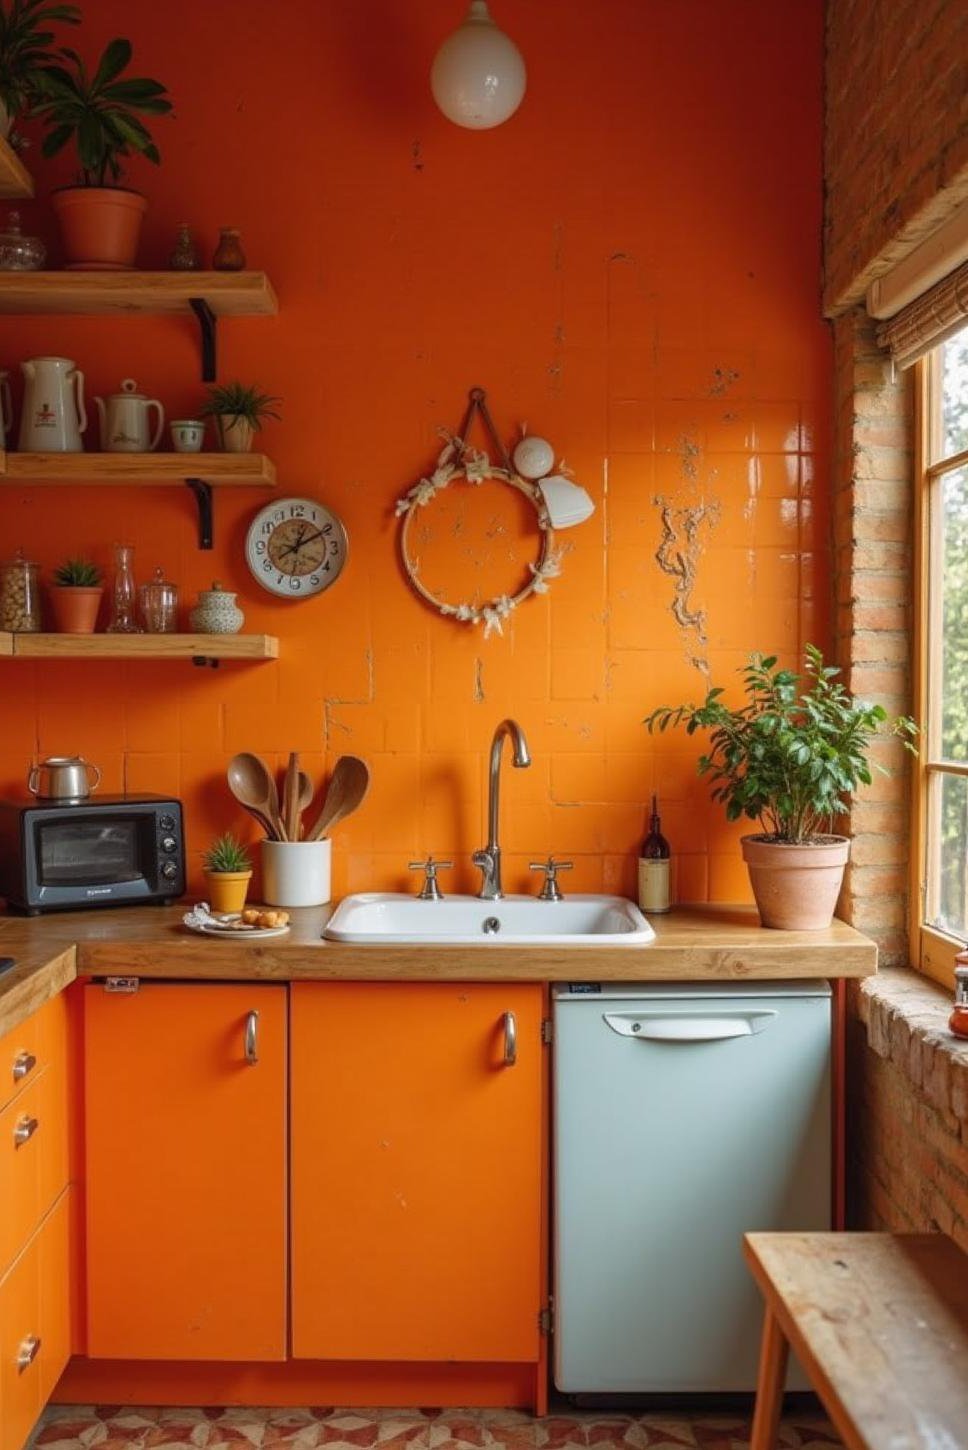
(154,403)
(97,774)
(78,377)
(32,785)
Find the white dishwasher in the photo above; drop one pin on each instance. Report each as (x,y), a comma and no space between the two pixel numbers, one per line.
(685,1114)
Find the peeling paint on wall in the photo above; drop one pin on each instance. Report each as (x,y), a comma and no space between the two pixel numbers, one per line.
(687,519)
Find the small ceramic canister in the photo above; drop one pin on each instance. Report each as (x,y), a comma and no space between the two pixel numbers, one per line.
(187,434)
(216,612)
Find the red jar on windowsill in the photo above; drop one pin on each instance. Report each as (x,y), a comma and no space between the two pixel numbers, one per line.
(958,1021)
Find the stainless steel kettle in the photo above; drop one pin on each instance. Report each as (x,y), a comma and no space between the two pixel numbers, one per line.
(62,778)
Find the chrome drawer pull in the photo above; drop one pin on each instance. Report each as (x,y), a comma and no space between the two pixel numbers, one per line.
(23,1063)
(25,1130)
(28,1352)
(252,1039)
(510,1040)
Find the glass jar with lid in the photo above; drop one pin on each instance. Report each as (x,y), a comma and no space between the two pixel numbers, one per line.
(17,252)
(159,604)
(19,595)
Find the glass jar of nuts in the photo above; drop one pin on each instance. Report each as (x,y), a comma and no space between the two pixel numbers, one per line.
(19,596)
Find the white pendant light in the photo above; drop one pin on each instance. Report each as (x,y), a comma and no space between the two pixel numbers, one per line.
(478,75)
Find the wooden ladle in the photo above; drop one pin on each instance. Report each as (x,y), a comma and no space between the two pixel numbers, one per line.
(251,782)
(346,792)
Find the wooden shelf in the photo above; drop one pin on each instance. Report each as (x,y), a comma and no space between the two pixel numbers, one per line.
(220,470)
(97,294)
(198,647)
(16,182)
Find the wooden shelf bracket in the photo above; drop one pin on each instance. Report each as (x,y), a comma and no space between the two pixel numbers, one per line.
(206,521)
(207,321)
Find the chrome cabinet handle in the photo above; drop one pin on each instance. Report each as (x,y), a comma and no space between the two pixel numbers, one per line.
(28,1352)
(510,1039)
(252,1038)
(25,1130)
(23,1063)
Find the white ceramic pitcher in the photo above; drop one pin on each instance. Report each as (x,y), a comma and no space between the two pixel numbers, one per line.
(124,420)
(53,416)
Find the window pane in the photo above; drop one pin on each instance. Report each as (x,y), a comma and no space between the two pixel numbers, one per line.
(951,857)
(954,394)
(952,579)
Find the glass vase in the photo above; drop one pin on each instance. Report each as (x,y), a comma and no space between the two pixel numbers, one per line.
(124,599)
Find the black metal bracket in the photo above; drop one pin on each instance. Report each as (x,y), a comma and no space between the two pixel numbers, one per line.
(203,498)
(207,331)
(203,660)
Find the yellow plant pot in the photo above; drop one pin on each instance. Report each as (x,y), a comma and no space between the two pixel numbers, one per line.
(227,890)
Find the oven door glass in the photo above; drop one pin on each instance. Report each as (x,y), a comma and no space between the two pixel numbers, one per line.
(90,851)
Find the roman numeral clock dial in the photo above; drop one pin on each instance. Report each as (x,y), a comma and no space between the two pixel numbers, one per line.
(296,548)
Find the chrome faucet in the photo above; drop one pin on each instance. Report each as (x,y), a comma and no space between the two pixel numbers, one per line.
(489,858)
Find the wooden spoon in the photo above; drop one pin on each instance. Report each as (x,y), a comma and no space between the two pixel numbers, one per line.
(303,802)
(346,792)
(250,781)
(290,797)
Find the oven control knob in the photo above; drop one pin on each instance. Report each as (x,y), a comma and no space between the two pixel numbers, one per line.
(169,844)
(169,870)
(167,823)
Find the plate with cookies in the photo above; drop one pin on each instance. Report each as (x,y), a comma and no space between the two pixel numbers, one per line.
(254,922)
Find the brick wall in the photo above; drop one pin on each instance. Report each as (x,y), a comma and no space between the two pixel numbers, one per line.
(896,149)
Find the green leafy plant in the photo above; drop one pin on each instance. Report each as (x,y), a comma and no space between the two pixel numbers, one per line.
(790,754)
(226,854)
(240,401)
(97,112)
(25,52)
(77,574)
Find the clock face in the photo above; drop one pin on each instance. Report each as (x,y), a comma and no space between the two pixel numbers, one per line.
(295,548)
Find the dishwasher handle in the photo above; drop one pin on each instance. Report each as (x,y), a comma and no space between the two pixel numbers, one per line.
(688,1026)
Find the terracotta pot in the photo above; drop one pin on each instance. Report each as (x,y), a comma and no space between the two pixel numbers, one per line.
(227,890)
(796,887)
(100,226)
(74,608)
(234,434)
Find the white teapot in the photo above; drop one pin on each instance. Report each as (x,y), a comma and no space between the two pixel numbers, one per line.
(124,420)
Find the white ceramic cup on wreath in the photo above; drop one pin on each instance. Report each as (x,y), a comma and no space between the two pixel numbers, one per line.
(296,873)
(187,434)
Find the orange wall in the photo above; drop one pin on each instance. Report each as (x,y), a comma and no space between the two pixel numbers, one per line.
(631,265)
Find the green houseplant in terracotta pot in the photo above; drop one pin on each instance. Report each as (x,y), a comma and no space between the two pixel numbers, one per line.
(100,220)
(239,410)
(787,758)
(76,596)
(228,871)
(25,51)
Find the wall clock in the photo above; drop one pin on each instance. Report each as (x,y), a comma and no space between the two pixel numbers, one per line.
(296,548)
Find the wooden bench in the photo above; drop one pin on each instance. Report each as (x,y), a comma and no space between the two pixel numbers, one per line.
(879,1323)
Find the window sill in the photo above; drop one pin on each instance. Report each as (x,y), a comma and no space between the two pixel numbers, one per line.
(906,1017)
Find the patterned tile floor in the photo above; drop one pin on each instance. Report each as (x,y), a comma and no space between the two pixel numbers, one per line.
(72,1427)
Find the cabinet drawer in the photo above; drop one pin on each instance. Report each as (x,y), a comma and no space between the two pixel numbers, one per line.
(26,1050)
(33,1157)
(34,1326)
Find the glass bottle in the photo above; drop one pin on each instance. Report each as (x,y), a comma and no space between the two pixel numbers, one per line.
(159,604)
(19,596)
(185,256)
(124,598)
(228,255)
(654,886)
(958,1021)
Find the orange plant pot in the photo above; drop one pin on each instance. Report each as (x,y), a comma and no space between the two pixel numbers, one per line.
(796,887)
(100,226)
(227,890)
(75,609)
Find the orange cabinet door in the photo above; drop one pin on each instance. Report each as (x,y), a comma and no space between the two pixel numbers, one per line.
(185,1106)
(416,1163)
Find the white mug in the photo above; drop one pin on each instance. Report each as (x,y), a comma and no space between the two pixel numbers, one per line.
(296,873)
(187,434)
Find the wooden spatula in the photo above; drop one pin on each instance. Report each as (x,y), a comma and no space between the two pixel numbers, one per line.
(290,797)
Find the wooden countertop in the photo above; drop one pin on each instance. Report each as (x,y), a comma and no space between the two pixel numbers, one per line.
(693,943)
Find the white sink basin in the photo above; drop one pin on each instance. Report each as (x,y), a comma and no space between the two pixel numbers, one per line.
(385,917)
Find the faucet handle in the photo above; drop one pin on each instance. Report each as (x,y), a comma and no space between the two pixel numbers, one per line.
(430,891)
(551,891)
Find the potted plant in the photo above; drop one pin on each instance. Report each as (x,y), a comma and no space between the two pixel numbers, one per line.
(786,758)
(228,871)
(76,596)
(100,220)
(24,53)
(239,410)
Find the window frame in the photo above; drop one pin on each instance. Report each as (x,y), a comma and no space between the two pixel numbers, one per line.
(933,951)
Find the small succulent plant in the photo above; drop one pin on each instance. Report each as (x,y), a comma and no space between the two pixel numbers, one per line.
(240,400)
(226,854)
(77,574)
